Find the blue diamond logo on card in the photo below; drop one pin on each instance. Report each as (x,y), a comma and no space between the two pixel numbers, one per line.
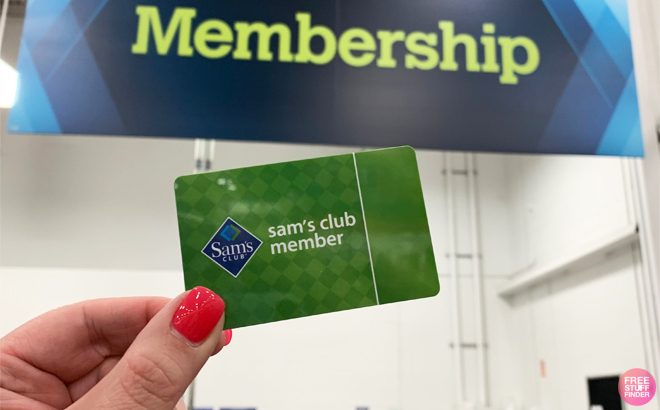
(232,247)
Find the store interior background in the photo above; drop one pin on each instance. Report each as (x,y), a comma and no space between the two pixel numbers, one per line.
(86,217)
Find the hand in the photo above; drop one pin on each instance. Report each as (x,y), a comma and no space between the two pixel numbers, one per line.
(111,354)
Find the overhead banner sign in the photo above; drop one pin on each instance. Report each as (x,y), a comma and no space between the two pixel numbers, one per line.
(537,76)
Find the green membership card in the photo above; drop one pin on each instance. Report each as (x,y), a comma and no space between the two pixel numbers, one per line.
(302,238)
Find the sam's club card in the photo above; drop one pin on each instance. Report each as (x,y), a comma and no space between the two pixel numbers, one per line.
(302,238)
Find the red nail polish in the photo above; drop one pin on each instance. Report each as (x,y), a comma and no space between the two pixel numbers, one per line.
(198,314)
(228,334)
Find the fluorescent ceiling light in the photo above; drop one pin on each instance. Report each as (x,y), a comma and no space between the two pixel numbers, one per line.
(8,85)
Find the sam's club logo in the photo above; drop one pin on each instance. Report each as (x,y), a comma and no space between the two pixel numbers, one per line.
(231,247)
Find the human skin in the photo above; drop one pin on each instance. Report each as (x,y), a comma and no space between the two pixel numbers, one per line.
(111,354)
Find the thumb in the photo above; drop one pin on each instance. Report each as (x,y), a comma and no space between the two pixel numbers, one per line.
(164,358)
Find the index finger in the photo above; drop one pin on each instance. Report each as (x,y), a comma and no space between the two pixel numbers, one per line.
(71,341)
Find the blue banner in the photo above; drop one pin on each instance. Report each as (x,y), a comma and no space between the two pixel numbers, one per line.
(536,76)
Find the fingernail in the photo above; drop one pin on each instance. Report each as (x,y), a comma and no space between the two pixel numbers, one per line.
(228,334)
(180,405)
(198,314)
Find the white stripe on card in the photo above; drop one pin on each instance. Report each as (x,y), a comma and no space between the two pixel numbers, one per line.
(371,262)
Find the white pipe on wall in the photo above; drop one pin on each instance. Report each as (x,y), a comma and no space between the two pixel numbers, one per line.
(646,236)
(3,22)
(203,160)
(198,155)
(453,268)
(595,251)
(482,374)
(210,155)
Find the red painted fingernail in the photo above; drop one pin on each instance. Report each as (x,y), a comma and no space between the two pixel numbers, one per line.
(228,334)
(198,314)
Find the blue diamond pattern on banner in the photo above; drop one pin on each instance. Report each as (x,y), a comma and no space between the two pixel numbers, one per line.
(620,10)
(603,70)
(86,10)
(573,24)
(62,35)
(33,96)
(607,59)
(43,13)
(63,84)
(624,122)
(78,74)
(615,41)
(581,99)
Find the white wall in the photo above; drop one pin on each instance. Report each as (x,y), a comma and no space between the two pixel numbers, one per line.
(584,323)
(560,203)
(645,32)
(95,216)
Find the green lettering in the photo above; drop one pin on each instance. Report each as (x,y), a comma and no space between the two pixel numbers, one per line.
(509,65)
(356,46)
(216,31)
(490,52)
(264,33)
(149,18)
(305,35)
(415,48)
(348,44)
(387,40)
(449,43)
